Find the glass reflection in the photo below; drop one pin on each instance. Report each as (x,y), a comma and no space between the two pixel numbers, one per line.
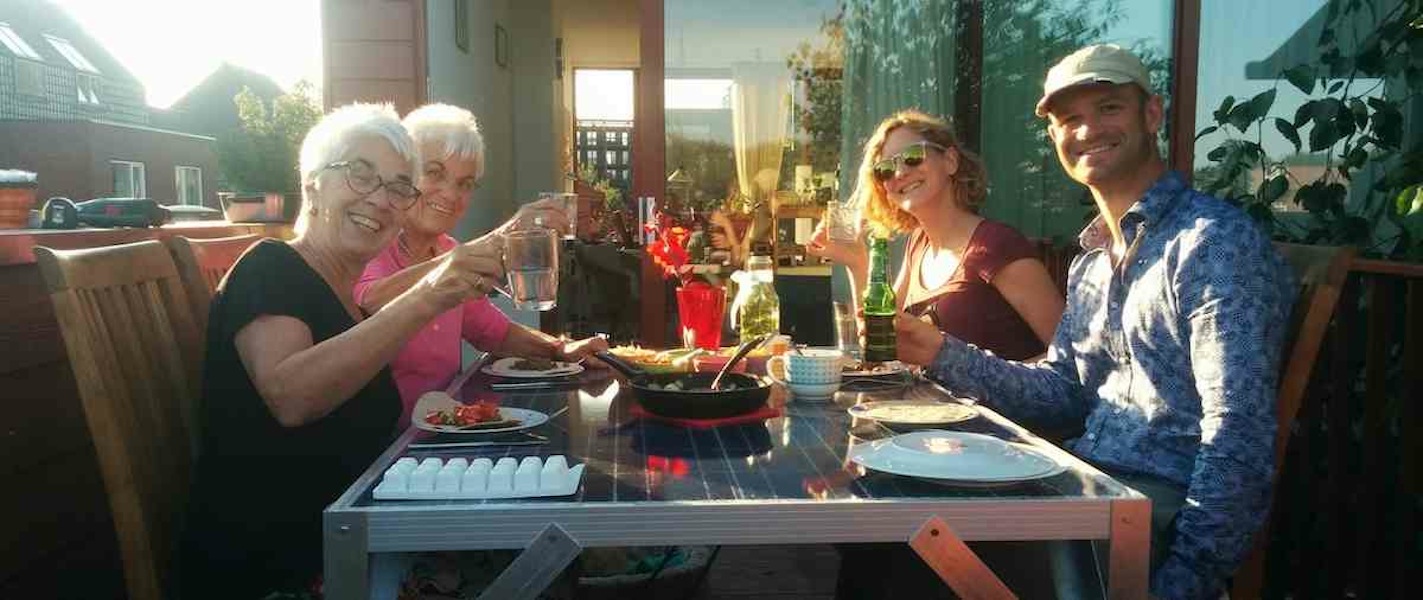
(768,103)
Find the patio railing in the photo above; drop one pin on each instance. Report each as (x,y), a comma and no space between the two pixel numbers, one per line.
(1346,507)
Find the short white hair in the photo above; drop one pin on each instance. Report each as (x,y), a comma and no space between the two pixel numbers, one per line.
(453,128)
(330,140)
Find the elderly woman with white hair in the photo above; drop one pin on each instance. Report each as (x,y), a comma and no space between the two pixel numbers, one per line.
(452,149)
(297,395)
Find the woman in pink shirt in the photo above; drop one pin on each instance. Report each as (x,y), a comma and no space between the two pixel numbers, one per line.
(452,154)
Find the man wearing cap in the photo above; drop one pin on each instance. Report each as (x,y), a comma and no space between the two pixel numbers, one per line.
(1167,355)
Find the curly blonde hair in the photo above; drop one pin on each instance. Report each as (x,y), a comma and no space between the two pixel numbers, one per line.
(970,183)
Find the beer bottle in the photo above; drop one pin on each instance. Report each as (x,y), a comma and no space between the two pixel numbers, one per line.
(879,305)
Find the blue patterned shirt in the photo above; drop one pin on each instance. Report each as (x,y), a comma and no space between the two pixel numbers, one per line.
(1171,358)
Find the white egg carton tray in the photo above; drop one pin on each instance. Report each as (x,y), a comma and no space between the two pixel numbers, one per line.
(461,478)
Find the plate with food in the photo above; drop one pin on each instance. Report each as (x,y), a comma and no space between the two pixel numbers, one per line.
(531,368)
(676,360)
(902,413)
(854,368)
(440,413)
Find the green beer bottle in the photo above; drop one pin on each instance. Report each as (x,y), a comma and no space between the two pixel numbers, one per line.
(879,305)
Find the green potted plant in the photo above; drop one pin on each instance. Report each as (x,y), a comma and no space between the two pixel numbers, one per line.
(1352,178)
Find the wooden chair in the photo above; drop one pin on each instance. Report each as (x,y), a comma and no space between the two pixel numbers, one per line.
(1322,271)
(202,263)
(128,328)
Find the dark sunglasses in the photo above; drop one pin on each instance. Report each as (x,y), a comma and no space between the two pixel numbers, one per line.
(911,156)
(361,176)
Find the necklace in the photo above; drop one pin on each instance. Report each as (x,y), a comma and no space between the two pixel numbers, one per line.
(404,246)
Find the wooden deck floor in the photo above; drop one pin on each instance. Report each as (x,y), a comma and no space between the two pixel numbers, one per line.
(804,572)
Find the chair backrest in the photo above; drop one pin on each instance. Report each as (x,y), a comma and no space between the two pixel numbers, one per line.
(202,263)
(128,328)
(1322,272)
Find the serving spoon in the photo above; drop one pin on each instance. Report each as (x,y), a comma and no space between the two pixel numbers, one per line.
(741,352)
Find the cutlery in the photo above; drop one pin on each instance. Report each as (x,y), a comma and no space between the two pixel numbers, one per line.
(488,444)
(533,385)
(741,353)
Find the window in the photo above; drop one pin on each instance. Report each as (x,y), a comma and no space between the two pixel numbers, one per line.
(29,77)
(88,89)
(128,179)
(190,185)
(71,53)
(16,44)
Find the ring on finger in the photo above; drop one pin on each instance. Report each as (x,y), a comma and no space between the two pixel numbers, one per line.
(478,280)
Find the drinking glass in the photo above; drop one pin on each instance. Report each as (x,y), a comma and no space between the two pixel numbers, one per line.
(842,221)
(701,307)
(570,208)
(847,330)
(531,259)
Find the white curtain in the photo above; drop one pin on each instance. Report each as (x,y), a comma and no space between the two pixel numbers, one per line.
(760,104)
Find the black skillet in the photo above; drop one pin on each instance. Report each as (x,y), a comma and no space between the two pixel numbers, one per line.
(700,402)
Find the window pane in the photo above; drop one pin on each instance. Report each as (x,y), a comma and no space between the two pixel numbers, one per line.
(123,180)
(1253,46)
(757,92)
(16,44)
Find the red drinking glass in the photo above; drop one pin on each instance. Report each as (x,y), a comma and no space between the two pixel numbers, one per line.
(701,307)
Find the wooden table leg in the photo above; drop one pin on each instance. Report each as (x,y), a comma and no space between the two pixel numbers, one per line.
(956,564)
(1129,562)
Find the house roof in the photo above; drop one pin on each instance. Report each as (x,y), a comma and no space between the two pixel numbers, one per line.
(209,109)
(32,20)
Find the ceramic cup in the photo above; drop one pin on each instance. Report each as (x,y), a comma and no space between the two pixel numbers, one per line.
(811,373)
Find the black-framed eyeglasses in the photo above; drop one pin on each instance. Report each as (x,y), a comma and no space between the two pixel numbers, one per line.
(911,156)
(361,176)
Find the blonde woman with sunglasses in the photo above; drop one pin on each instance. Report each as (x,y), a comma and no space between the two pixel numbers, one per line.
(977,279)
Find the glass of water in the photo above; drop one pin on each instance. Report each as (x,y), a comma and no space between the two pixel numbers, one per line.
(531,260)
(842,221)
(847,330)
(570,208)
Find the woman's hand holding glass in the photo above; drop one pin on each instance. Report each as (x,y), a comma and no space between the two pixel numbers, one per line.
(852,254)
(467,271)
(549,213)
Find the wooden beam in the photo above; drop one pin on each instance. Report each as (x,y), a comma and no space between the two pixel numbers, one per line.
(649,145)
(1185,58)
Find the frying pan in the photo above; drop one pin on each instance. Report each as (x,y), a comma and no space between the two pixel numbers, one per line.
(702,403)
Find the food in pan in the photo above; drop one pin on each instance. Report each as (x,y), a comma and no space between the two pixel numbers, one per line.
(689,385)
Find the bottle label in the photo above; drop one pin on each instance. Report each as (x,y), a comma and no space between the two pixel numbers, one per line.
(879,338)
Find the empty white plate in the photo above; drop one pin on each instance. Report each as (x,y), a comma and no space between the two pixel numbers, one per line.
(955,457)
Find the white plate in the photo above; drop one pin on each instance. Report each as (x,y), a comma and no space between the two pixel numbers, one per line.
(888,369)
(527,418)
(504,367)
(913,413)
(955,457)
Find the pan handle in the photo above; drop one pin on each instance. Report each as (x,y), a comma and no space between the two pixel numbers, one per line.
(628,369)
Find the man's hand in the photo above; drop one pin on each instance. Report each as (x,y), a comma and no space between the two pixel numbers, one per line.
(918,341)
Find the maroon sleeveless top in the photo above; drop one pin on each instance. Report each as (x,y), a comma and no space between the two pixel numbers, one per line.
(968,307)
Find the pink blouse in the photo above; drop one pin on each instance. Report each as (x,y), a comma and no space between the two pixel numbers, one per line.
(432,356)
